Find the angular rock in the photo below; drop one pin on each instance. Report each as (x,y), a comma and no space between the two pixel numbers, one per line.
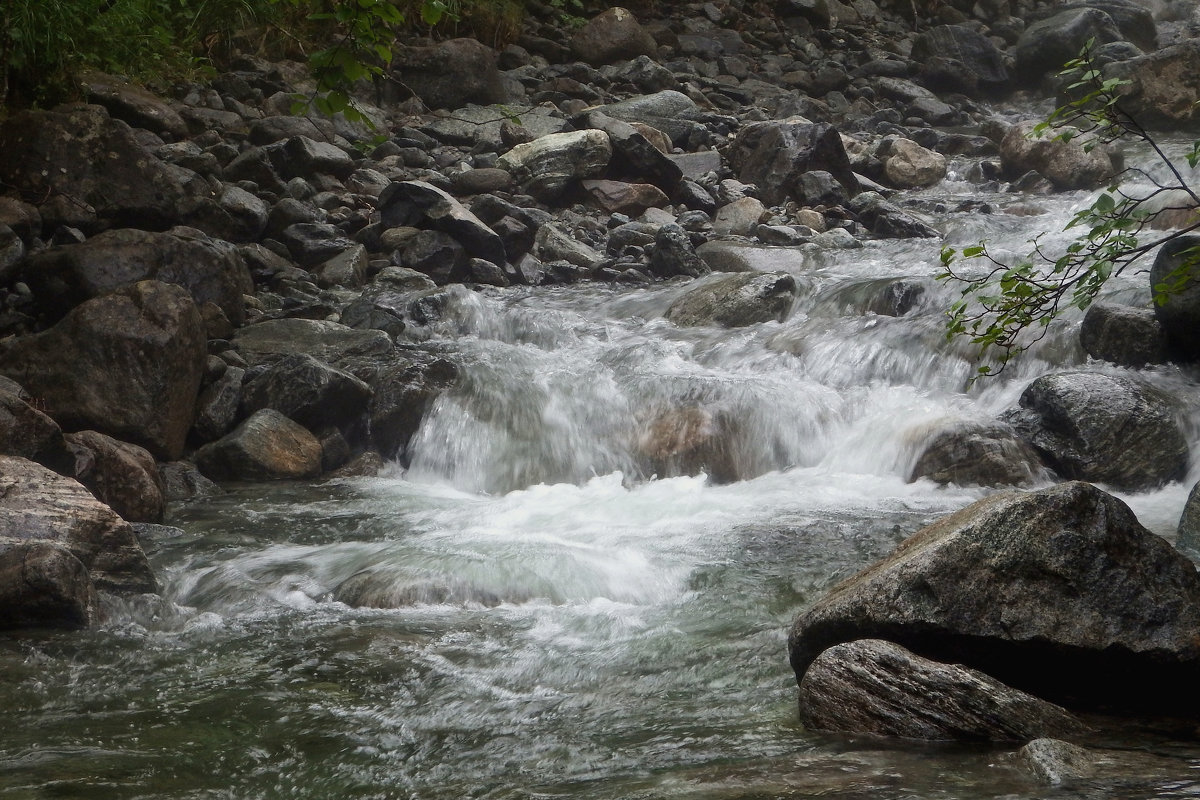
(128,364)
(631,199)
(876,687)
(438,255)
(421,204)
(123,476)
(1134,20)
(211,270)
(1046,45)
(1103,428)
(347,269)
(267,446)
(403,393)
(1188,533)
(773,156)
(739,218)
(553,244)
(37,505)
(327,341)
(614,35)
(1177,268)
(450,74)
(889,221)
(670,111)
(976,454)
(308,391)
(42,585)
(182,482)
(735,300)
(132,104)
(301,157)
(27,432)
(1066,164)
(1164,87)
(907,165)
(217,407)
(1059,592)
(1124,335)
(1054,762)
(674,255)
(548,165)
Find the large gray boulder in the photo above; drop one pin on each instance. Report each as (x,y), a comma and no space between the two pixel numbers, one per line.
(970,453)
(121,475)
(612,36)
(877,687)
(27,432)
(1164,87)
(404,392)
(1045,46)
(959,58)
(211,270)
(1059,592)
(549,165)
(42,585)
(132,104)
(1177,266)
(773,156)
(128,364)
(1103,428)
(669,111)
(267,446)
(734,300)
(1125,335)
(1066,164)
(308,391)
(37,505)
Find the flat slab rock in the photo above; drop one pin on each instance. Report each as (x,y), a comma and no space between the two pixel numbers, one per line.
(877,687)
(1058,592)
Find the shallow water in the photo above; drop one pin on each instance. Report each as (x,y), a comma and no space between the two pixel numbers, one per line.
(573,625)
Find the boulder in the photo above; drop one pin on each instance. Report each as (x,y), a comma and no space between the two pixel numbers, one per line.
(634,155)
(773,156)
(960,59)
(217,407)
(612,36)
(553,244)
(403,393)
(302,157)
(182,482)
(1125,335)
(421,204)
(1134,20)
(267,446)
(128,364)
(437,255)
(549,165)
(691,440)
(122,476)
(308,391)
(1103,428)
(887,220)
(1188,532)
(1164,87)
(37,505)
(1045,46)
(1066,164)
(330,342)
(80,152)
(132,104)
(347,269)
(211,270)
(1058,592)
(735,300)
(631,199)
(976,454)
(670,111)
(908,165)
(674,254)
(27,432)
(880,688)
(450,74)
(42,585)
(1176,268)
(739,218)
(391,587)
(1054,762)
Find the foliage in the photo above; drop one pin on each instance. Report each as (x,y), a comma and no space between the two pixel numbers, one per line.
(998,307)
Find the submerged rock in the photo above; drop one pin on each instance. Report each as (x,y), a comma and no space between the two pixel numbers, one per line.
(1059,592)
(735,300)
(976,454)
(877,687)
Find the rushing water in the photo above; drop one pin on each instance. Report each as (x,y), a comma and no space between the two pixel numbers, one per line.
(570,625)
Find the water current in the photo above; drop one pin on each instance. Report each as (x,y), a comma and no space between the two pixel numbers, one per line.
(570,625)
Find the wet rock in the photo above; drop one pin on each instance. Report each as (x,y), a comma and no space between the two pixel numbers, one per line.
(266,446)
(1058,592)
(1066,164)
(614,35)
(674,255)
(548,165)
(877,687)
(773,156)
(301,157)
(896,298)
(121,475)
(735,300)
(634,155)
(670,111)
(237,216)
(1124,335)
(1177,266)
(79,152)
(364,465)
(42,585)
(312,243)
(1134,20)
(618,197)
(211,270)
(436,254)
(553,244)
(308,391)
(961,59)
(1046,45)
(217,407)
(739,218)
(347,269)
(40,506)
(907,165)
(976,454)
(128,364)
(27,432)
(450,74)
(1164,88)
(330,342)
(132,104)
(889,221)
(421,204)
(183,482)
(403,393)
(1103,428)
(1053,762)
(693,441)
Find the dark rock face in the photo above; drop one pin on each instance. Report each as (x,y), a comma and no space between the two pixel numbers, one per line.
(267,446)
(773,156)
(417,203)
(211,270)
(81,153)
(42,585)
(1134,20)
(1103,428)
(132,104)
(451,74)
(633,154)
(674,255)
(977,454)
(1124,335)
(128,364)
(37,505)
(327,341)
(1058,592)
(308,391)
(403,393)
(958,58)
(877,687)
(27,432)
(888,221)
(1046,45)
(736,300)
(1177,266)
(121,475)
(1189,523)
